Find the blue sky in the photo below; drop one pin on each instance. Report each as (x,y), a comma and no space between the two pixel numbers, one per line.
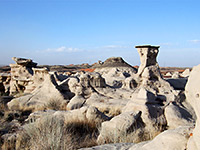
(84,31)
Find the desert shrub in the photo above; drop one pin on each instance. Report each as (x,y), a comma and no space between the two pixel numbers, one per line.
(9,142)
(10,123)
(48,133)
(55,104)
(111,111)
(52,133)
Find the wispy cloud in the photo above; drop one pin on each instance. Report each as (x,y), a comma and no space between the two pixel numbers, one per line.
(195,41)
(114,46)
(166,44)
(62,49)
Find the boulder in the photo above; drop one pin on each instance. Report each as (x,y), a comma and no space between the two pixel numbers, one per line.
(177,116)
(186,73)
(76,102)
(176,75)
(175,139)
(168,74)
(152,115)
(193,97)
(94,115)
(84,114)
(116,146)
(119,126)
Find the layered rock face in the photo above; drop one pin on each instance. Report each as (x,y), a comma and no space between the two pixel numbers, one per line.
(21,74)
(5,82)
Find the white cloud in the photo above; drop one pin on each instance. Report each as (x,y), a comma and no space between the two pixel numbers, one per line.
(195,41)
(62,49)
(114,46)
(166,44)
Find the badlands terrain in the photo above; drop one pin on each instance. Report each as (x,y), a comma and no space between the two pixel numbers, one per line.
(109,105)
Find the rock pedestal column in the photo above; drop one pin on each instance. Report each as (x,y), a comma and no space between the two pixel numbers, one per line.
(148,56)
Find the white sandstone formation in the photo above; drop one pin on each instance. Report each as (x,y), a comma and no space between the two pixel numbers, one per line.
(48,91)
(186,73)
(168,140)
(177,116)
(149,75)
(175,75)
(152,113)
(115,70)
(148,55)
(116,97)
(118,126)
(25,76)
(84,114)
(168,74)
(5,82)
(193,96)
(76,102)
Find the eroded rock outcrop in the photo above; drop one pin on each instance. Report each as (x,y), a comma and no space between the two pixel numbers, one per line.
(119,126)
(186,73)
(149,75)
(5,83)
(193,97)
(126,103)
(21,74)
(48,91)
(25,76)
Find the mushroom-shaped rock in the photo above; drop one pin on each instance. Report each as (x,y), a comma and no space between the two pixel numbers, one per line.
(148,56)
(24,62)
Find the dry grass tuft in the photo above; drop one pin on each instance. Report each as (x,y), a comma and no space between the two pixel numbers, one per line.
(111,111)
(55,104)
(52,133)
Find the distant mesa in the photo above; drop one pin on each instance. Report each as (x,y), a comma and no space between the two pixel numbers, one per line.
(113,62)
